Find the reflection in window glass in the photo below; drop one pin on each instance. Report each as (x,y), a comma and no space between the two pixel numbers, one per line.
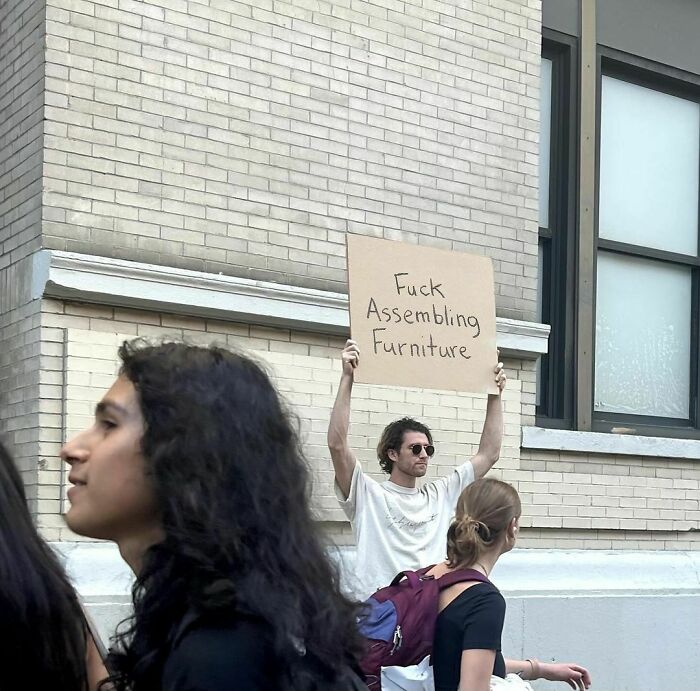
(545,126)
(649,148)
(540,285)
(642,355)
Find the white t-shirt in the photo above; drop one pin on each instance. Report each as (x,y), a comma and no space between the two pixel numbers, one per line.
(398,528)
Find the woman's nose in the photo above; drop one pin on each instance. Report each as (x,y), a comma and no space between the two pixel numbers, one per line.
(74,450)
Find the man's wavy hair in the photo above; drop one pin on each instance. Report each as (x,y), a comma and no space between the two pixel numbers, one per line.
(392,438)
(233,488)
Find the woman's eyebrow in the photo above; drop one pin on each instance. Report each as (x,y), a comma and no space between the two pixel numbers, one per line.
(105,406)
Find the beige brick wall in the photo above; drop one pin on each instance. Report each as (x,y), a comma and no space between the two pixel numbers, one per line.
(305,367)
(562,538)
(603,493)
(19,384)
(21,103)
(21,112)
(569,500)
(249,137)
(19,371)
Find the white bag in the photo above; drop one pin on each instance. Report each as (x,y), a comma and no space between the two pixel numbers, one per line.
(512,682)
(420,678)
(412,678)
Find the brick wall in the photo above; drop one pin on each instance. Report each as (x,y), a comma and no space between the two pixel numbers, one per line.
(305,367)
(249,137)
(569,500)
(600,492)
(19,373)
(21,104)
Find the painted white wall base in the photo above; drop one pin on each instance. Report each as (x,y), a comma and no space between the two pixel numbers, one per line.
(632,617)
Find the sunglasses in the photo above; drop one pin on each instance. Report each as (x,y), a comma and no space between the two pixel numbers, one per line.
(417,448)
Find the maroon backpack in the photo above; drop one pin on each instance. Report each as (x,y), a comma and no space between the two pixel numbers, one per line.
(399,621)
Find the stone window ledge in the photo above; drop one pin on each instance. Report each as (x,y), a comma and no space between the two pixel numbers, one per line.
(613,444)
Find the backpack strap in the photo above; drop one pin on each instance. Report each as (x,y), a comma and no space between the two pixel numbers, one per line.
(414,577)
(460,576)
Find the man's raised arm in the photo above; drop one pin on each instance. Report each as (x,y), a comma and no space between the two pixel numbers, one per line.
(492,434)
(341,454)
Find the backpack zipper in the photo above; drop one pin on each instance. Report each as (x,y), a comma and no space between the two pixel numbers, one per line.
(397,640)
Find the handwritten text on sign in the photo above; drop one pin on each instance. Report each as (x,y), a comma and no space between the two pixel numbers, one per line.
(422,317)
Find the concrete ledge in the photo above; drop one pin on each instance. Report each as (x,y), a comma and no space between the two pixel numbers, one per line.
(100,574)
(72,276)
(617,444)
(572,573)
(631,617)
(106,281)
(102,579)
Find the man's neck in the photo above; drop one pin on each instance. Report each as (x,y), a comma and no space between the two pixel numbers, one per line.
(402,479)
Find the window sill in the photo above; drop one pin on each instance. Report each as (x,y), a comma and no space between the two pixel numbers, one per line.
(614,444)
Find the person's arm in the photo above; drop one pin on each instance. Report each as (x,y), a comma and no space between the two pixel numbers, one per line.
(341,454)
(575,676)
(96,670)
(476,669)
(492,433)
(483,626)
(95,654)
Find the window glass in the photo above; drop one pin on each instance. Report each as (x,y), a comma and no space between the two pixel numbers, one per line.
(642,355)
(539,316)
(649,150)
(545,127)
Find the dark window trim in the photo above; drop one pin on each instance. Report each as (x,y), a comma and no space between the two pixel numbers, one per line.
(676,82)
(559,239)
(645,72)
(648,252)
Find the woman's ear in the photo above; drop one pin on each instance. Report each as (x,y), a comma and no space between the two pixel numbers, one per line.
(513,528)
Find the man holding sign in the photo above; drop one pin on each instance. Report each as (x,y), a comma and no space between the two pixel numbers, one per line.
(426,318)
(396,524)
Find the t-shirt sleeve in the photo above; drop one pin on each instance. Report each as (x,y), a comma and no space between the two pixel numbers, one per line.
(484,624)
(220,659)
(358,487)
(456,481)
(465,475)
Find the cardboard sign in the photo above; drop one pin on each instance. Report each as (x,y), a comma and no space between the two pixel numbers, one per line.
(422,317)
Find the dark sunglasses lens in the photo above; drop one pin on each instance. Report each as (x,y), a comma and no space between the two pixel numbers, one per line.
(430,449)
(417,448)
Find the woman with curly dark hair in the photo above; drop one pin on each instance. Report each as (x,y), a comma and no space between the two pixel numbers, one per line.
(194,468)
(45,641)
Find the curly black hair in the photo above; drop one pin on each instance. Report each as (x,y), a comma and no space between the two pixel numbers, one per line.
(392,438)
(233,488)
(42,629)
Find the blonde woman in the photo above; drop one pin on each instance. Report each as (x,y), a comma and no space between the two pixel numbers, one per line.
(467,645)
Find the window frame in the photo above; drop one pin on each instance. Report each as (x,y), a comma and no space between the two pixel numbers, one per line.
(556,382)
(663,79)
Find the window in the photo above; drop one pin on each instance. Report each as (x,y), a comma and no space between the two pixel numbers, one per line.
(641,363)
(557,222)
(647,263)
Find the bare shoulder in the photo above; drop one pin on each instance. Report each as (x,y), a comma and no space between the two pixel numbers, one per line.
(451,593)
